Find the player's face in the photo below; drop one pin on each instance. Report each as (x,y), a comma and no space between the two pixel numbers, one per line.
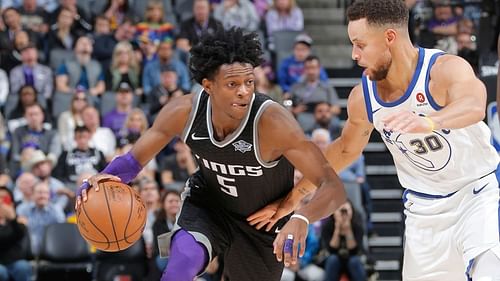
(231,90)
(370,49)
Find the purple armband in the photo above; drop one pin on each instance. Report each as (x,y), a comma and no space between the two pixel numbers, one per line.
(126,167)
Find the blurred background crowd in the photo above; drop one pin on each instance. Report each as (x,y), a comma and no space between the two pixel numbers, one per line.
(81,80)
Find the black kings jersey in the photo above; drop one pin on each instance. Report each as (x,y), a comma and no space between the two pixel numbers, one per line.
(234,175)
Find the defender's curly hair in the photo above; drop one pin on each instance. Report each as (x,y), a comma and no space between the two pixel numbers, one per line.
(224,47)
(379,12)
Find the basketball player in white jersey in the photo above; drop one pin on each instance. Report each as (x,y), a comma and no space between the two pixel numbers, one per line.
(428,107)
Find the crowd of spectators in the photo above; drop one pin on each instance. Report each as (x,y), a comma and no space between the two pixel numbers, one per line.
(80,81)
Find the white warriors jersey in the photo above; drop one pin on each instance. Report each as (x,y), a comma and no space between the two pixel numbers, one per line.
(437,163)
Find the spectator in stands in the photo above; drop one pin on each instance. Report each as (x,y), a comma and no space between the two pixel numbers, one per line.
(443,26)
(81,159)
(12,57)
(41,166)
(82,71)
(176,168)
(284,15)
(265,82)
(139,9)
(154,27)
(40,213)
(12,22)
(70,119)
(164,222)
(32,73)
(101,26)
(467,49)
(33,17)
(151,75)
(150,194)
(61,35)
(116,11)
(4,87)
(311,91)
(13,263)
(321,137)
(342,235)
(34,135)
(325,119)
(167,89)
(239,13)
(115,119)
(291,69)
(262,6)
(192,28)
(26,96)
(23,189)
(102,138)
(81,20)
(134,126)
(104,44)
(356,173)
(124,68)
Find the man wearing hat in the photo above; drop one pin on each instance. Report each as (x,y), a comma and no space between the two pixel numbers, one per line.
(167,89)
(291,69)
(124,100)
(41,165)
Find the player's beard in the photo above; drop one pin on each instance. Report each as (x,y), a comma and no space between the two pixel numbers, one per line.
(381,72)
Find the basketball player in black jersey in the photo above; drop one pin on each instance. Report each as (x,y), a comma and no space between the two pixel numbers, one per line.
(246,146)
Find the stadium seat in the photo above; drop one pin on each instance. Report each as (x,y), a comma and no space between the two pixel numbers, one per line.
(60,103)
(130,264)
(58,57)
(283,42)
(64,254)
(108,102)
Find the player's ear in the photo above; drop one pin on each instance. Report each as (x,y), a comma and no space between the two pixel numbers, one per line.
(390,36)
(207,85)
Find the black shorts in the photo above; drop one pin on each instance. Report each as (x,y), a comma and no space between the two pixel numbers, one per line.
(247,252)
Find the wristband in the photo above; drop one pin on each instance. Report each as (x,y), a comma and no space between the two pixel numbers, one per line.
(300,217)
(431,122)
(126,167)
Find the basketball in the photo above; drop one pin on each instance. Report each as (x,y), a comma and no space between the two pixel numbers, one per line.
(113,218)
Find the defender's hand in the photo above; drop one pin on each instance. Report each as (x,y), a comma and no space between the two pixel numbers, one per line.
(92,181)
(271,214)
(286,244)
(408,122)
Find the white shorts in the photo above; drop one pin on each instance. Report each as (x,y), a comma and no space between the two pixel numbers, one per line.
(444,235)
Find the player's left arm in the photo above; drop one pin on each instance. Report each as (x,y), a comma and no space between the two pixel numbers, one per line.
(281,135)
(455,87)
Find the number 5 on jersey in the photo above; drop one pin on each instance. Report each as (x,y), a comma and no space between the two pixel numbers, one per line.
(227,188)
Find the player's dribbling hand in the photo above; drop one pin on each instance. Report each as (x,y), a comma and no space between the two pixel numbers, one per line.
(407,122)
(288,252)
(81,193)
(271,214)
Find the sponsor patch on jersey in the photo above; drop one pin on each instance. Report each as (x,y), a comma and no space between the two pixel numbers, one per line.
(242,146)
(420,97)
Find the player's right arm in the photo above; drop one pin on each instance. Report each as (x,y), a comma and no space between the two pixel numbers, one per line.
(340,154)
(170,122)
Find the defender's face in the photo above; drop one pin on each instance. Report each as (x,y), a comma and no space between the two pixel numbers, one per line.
(370,49)
(231,89)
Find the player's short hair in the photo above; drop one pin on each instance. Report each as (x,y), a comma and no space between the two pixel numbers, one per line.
(379,12)
(224,47)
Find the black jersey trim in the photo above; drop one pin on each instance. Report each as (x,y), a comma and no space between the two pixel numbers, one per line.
(192,116)
(234,135)
(256,148)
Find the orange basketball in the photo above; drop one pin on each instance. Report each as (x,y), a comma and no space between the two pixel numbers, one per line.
(113,218)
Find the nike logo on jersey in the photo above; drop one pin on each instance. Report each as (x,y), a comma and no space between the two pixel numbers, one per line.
(195,138)
(376,110)
(476,191)
(277,230)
